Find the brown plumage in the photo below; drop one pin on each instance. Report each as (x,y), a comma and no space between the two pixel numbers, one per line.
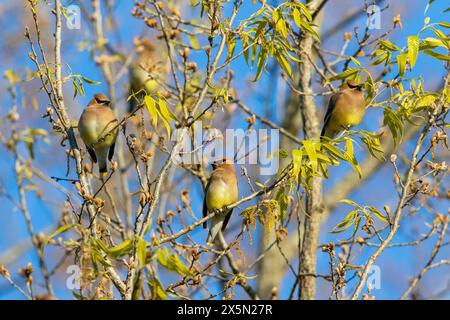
(221,191)
(346,109)
(98,129)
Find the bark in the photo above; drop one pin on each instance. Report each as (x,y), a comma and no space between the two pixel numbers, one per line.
(272,267)
(314,205)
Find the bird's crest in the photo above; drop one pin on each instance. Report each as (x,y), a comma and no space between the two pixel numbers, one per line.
(352,84)
(222,162)
(100,98)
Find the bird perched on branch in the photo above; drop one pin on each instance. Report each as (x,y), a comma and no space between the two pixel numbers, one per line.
(151,64)
(98,129)
(221,191)
(346,109)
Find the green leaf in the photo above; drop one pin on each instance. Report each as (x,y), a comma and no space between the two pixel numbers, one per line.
(59,231)
(171,262)
(141,248)
(394,124)
(78,296)
(389,45)
(280,24)
(245,45)
(377,214)
(431,43)
(351,156)
(436,55)
(75,88)
(151,107)
(284,63)
(156,289)
(231,44)
(426,101)
(343,75)
(96,243)
(90,81)
(194,42)
(333,151)
(296,16)
(307,27)
(382,57)
(305,11)
(413,50)
(297,156)
(11,76)
(374,146)
(311,152)
(165,122)
(350,202)
(121,249)
(355,61)
(401,61)
(262,58)
(346,223)
(282,199)
(166,111)
(98,257)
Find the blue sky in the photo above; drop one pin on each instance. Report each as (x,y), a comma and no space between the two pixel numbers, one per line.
(396,264)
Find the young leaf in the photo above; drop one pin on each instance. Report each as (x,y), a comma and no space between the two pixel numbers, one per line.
(141,249)
(401,61)
(389,45)
(311,152)
(296,16)
(436,55)
(166,111)
(377,214)
(121,249)
(297,156)
(150,104)
(307,27)
(413,50)
(347,73)
(346,223)
(60,230)
(351,156)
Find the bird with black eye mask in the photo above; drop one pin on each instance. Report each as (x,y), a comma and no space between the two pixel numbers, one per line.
(98,129)
(346,109)
(221,191)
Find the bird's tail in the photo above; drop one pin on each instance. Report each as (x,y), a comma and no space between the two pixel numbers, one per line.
(102,155)
(216,225)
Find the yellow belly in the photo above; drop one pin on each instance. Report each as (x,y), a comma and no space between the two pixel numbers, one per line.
(218,196)
(98,137)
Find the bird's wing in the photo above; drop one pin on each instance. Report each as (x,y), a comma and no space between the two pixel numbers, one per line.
(111,151)
(227,218)
(330,109)
(92,153)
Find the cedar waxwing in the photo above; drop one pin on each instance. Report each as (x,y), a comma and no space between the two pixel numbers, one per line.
(221,191)
(151,60)
(98,129)
(345,110)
